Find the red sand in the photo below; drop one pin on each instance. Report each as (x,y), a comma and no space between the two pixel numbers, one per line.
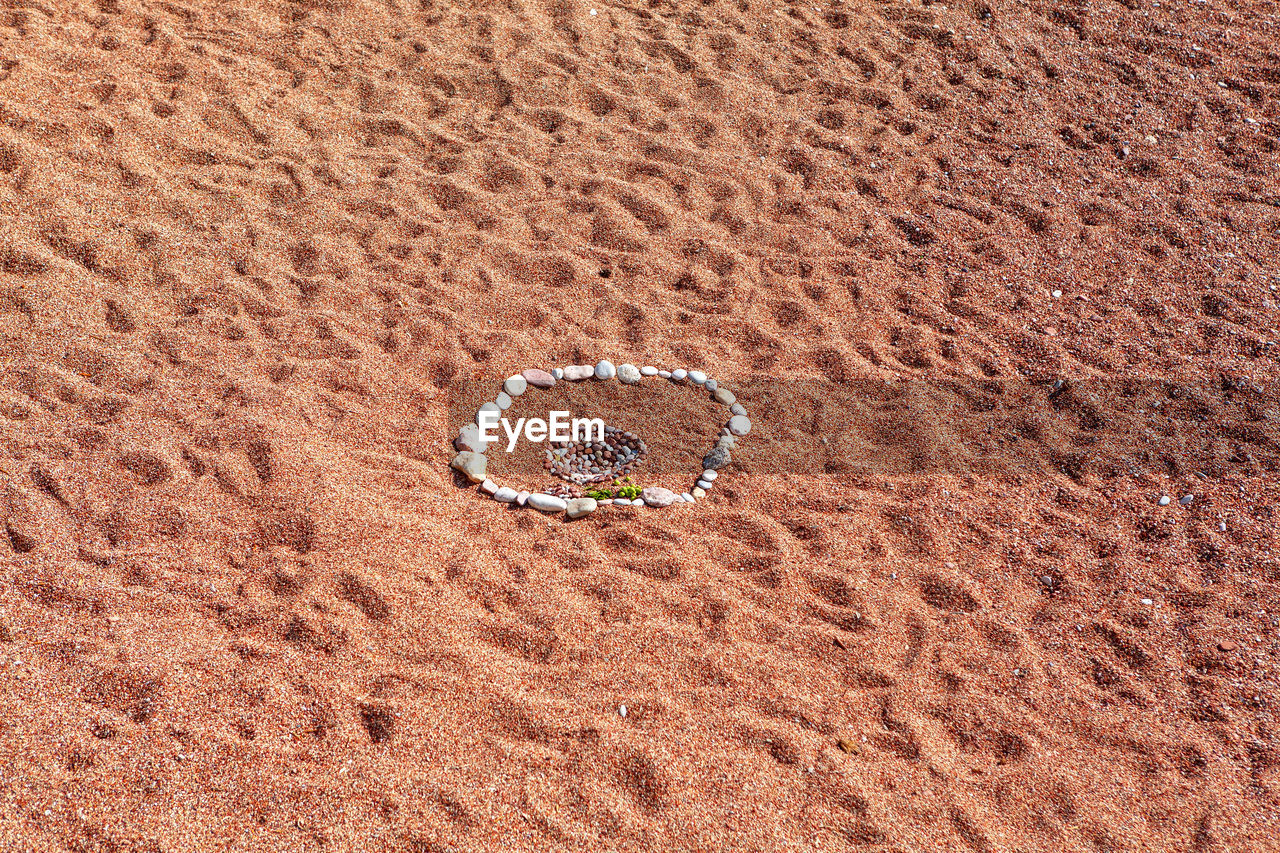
(245,248)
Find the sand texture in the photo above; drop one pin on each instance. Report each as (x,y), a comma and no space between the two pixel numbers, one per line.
(251,252)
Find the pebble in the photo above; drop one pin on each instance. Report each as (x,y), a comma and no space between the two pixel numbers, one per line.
(679,374)
(578,372)
(726,441)
(739,425)
(648,370)
(698,493)
(724,397)
(547,503)
(578,507)
(469,439)
(1222,526)
(687,498)
(665,374)
(1147,601)
(717,459)
(488,407)
(523,498)
(622,502)
(537,378)
(1164,500)
(711,385)
(503,400)
(515,385)
(489,487)
(710,475)
(628,374)
(738,409)
(704,484)
(638,502)
(506,495)
(658,496)
(697,377)
(1186,500)
(470,464)
(557,372)
(605,369)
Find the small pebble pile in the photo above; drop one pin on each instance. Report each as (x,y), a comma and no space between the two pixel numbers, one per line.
(586,462)
(583,462)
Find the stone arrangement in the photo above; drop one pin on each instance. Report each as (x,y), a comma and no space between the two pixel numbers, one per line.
(583,463)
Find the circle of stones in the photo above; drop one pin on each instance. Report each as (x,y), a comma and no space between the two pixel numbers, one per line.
(471,461)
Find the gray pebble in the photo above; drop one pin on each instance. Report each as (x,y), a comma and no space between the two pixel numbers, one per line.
(557,372)
(605,369)
(738,409)
(679,374)
(665,374)
(503,400)
(1186,500)
(704,484)
(578,507)
(506,495)
(739,425)
(717,459)
(489,407)
(628,374)
(515,385)
(711,385)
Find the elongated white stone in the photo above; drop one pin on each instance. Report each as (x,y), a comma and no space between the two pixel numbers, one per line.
(665,374)
(547,503)
(697,377)
(710,475)
(621,502)
(679,374)
(687,498)
(506,495)
(578,372)
(704,484)
(648,370)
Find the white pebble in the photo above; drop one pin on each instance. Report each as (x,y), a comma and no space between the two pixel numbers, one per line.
(711,385)
(628,374)
(503,400)
(1222,525)
(739,425)
(710,475)
(679,374)
(648,370)
(697,377)
(622,711)
(1057,294)
(1147,601)
(1164,500)
(605,369)
(506,495)
(738,409)
(515,385)
(489,407)
(557,372)
(705,485)
(664,374)
(547,503)
(621,502)
(687,498)
(637,502)
(522,498)
(489,487)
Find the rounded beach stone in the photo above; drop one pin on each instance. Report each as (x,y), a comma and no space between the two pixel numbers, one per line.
(699,493)
(717,459)
(469,439)
(738,409)
(679,374)
(739,425)
(622,502)
(605,369)
(724,397)
(523,498)
(687,498)
(488,407)
(546,503)
(648,370)
(489,487)
(628,374)
(697,377)
(557,372)
(515,385)
(638,502)
(711,385)
(726,440)
(506,495)
(470,464)
(658,496)
(710,475)
(538,378)
(503,400)
(665,374)
(704,484)
(578,507)
(578,372)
